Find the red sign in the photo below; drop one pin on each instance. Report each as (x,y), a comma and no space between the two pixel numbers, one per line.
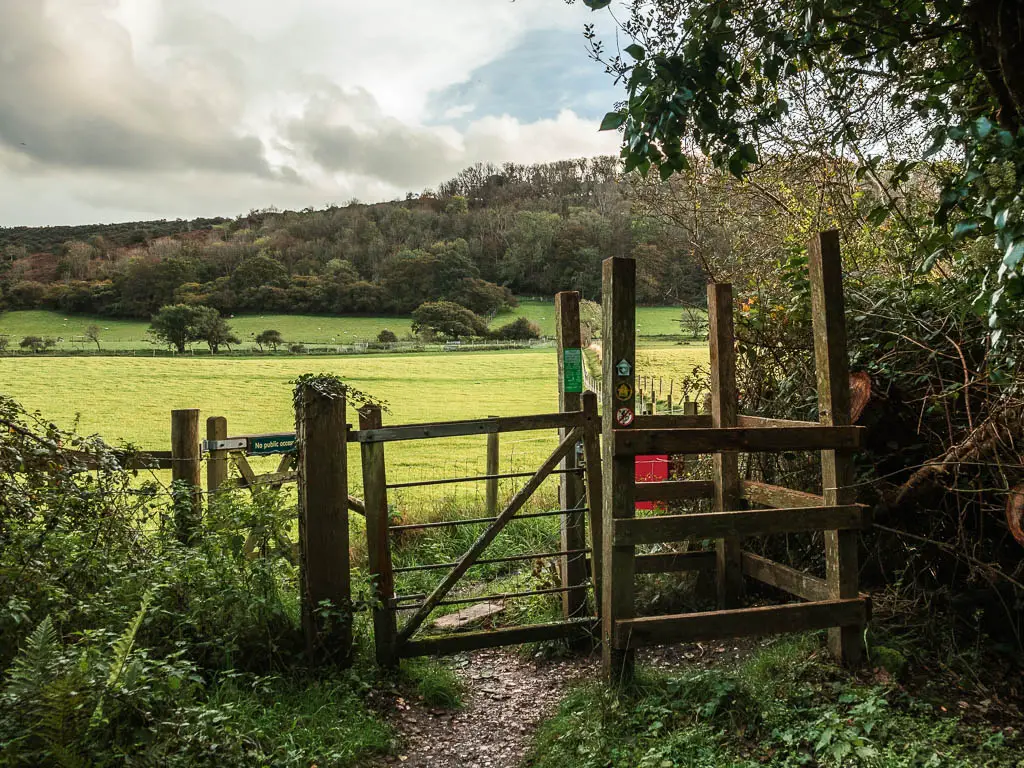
(650,469)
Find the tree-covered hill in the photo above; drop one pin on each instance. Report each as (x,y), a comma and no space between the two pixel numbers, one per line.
(483,236)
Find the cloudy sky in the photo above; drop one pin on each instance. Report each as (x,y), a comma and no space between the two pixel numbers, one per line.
(114,110)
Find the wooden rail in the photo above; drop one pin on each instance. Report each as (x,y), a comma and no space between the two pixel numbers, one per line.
(471,427)
(637,442)
(712,525)
(742,622)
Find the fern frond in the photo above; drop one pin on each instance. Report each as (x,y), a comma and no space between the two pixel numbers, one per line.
(35,665)
(121,651)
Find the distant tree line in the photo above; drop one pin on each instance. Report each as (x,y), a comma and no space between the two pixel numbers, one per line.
(484,236)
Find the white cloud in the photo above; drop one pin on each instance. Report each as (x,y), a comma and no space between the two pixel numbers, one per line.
(118,109)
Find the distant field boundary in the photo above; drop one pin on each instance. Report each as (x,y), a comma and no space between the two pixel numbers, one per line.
(399,348)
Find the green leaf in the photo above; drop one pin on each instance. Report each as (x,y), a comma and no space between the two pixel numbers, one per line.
(963,229)
(636,51)
(983,127)
(1014,254)
(613,121)
(878,215)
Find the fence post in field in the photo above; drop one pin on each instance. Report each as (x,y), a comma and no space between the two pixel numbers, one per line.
(571,494)
(323,525)
(378,540)
(493,468)
(837,471)
(725,413)
(617,471)
(186,473)
(670,384)
(217,463)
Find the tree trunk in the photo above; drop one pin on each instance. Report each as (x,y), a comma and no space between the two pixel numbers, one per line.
(998,36)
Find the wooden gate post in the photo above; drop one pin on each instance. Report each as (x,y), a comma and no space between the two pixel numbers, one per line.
(323,525)
(837,475)
(378,540)
(186,473)
(725,413)
(571,490)
(217,463)
(618,412)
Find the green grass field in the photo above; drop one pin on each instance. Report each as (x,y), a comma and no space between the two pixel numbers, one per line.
(130,399)
(309,329)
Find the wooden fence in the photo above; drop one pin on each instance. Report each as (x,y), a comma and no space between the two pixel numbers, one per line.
(595,458)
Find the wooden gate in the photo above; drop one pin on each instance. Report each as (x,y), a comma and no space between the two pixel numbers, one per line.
(394,639)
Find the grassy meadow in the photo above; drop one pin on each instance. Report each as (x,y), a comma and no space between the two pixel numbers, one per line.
(117,335)
(130,399)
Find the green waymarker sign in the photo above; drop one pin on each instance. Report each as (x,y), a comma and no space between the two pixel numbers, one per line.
(263,445)
(572,369)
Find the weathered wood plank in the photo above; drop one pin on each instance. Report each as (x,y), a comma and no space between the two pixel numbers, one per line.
(790,580)
(378,539)
(471,427)
(595,500)
(675,490)
(485,538)
(673,421)
(468,641)
(217,461)
(742,622)
(633,442)
(675,562)
(758,522)
(571,490)
(725,410)
(618,567)
(777,496)
(761,421)
(493,468)
(837,472)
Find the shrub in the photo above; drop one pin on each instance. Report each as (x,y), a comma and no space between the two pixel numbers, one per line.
(520,329)
(387,337)
(447,319)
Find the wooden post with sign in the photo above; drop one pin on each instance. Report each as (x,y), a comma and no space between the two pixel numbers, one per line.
(378,540)
(725,413)
(837,471)
(217,463)
(186,473)
(323,525)
(618,413)
(571,490)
